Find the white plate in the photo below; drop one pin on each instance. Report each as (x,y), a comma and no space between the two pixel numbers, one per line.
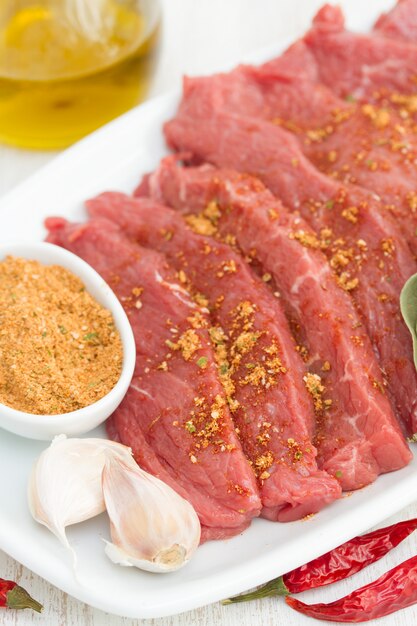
(114,157)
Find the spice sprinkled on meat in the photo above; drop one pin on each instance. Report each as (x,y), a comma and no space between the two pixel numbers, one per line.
(257,360)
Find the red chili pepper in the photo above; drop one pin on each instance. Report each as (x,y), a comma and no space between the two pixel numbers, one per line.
(393,591)
(12,596)
(340,563)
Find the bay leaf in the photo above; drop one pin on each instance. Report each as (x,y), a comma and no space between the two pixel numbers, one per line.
(408,303)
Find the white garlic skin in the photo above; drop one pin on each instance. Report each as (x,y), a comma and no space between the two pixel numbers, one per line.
(152,527)
(65,486)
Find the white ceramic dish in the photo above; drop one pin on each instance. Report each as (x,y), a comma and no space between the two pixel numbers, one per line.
(83,420)
(115,157)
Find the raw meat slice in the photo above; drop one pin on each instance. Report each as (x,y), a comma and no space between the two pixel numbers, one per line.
(363,245)
(262,372)
(175,415)
(358,436)
(366,145)
(361,144)
(399,23)
(363,66)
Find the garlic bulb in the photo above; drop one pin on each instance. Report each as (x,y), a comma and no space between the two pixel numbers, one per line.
(152,527)
(65,483)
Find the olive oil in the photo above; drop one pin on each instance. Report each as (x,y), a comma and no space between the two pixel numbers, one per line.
(69,66)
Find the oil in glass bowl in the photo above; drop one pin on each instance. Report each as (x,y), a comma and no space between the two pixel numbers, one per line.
(69,66)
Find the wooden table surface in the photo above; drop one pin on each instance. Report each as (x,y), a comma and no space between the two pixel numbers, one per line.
(202,36)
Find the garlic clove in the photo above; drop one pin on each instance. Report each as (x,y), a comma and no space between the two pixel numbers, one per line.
(65,486)
(152,527)
(165,562)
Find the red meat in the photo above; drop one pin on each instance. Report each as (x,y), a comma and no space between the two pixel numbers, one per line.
(358,436)
(363,66)
(359,144)
(399,23)
(363,245)
(175,415)
(262,371)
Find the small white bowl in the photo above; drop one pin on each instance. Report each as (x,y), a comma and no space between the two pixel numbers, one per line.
(80,421)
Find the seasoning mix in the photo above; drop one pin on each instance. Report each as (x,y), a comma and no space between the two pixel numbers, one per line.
(59,348)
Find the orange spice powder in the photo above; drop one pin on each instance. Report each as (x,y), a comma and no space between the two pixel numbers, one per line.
(59,348)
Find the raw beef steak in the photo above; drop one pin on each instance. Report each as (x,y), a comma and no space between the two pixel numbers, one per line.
(175,415)
(258,363)
(365,249)
(355,65)
(365,144)
(399,23)
(358,436)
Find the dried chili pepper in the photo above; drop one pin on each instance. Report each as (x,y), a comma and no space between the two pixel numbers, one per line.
(12,596)
(393,591)
(340,563)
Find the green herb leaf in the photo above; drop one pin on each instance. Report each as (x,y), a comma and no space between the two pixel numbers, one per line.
(350,98)
(408,303)
(62,330)
(90,336)
(190,427)
(202,362)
